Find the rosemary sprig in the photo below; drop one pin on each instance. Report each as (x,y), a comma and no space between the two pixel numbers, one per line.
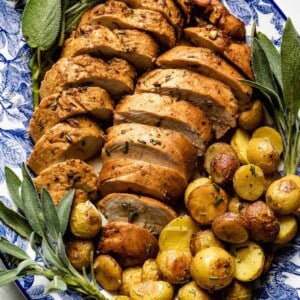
(277,76)
(45,25)
(47,225)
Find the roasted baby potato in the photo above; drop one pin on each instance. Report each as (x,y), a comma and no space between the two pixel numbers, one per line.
(212,268)
(272,134)
(262,224)
(239,143)
(85,220)
(194,184)
(283,196)
(231,228)
(174,265)
(177,234)
(250,119)
(238,291)
(151,290)
(207,202)
(191,291)
(249,258)
(128,243)
(249,182)
(150,270)
(220,162)
(107,272)
(288,229)
(204,239)
(262,153)
(121,297)
(79,252)
(130,276)
(236,204)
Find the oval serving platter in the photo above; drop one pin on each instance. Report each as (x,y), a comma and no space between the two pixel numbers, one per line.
(283,279)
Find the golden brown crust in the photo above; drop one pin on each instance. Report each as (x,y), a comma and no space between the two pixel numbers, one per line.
(116,75)
(151,144)
(126,175)
(206,62)
(138,47)
(78,138)
(166,112)
(60,178)
(129,244)
(212,96)
(114,14)
(72,102)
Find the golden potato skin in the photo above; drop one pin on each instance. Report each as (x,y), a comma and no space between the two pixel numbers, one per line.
(121,297)
(238,291)
(85,220)
(250,119)
(150,270)
(288,229)
(191,291)
(239,142)
(207,202)
(204,239)
(212,268)
(130,276)
(151,290)
(263,154)
(194,184)
(236,205)
(249,182)
(231,228)
(79,252)
(262,224)
(283,196)
(220,162)
(107,272)
(174,265)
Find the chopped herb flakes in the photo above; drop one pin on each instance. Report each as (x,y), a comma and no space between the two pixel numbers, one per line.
(155,142)
(213,278)
(252,169)
(126,148)
(216,187)
(218,200)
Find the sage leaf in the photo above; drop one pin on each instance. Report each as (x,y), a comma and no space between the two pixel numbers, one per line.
(56,285)
(41,23)
(24,265)
(8,276)
(32,207)
(13,183)
(50,214)
(15,221)
(64,209)
(272,55)
(51,258)
(290,67)
(12,249)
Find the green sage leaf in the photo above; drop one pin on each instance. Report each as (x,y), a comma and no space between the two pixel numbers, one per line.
(272,55)
(50,214)
(8,276)
(64,209)
(15,221)
(290,67)
(13,183)
(25,264)
(41,23)
(12,249)
(56,285)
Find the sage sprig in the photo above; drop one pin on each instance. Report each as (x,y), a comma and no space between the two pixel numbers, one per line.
(277,76)
(43,224)
(45,25)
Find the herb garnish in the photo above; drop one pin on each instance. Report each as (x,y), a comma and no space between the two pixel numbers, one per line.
(277,76)
(252,169)
(218,200)
(43,224)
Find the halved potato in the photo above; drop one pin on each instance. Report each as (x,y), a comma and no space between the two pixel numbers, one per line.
(194,184)
(130,276)
(150,270)
(288,229)
(177,234)
(236,204)
(249,258)
(238,291)
(207,202)
(272,134)
(191,291)
(231,228)
(249,182)
(239,143)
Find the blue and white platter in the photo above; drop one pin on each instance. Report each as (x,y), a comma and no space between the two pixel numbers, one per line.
(283,279)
